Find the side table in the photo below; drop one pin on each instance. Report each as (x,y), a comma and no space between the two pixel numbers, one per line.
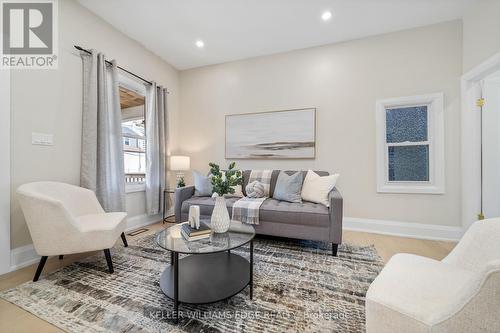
(166,192)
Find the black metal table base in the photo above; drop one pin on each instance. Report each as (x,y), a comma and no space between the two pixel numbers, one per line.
(206,278)
(165,219)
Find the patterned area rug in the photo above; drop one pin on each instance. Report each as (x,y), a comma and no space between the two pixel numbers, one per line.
(298,287)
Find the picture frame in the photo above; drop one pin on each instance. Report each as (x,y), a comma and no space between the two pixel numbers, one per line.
(282,134)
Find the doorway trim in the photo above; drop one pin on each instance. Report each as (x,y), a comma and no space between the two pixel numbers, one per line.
(470,138)
(5,84)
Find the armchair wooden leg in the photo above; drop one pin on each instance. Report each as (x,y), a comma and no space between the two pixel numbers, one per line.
(334,249)
(40,268)
(61,256)
(108,260)
(124,239)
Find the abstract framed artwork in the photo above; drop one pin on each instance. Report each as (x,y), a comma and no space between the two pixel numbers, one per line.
(286,134)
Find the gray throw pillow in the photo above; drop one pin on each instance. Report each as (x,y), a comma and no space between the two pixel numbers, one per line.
(202,185)
(288,188)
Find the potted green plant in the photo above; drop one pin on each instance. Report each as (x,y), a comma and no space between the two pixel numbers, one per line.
(223,183)
(181,182)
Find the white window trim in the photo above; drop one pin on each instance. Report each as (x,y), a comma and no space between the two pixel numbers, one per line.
(132,188)
(131,84)
(435,109)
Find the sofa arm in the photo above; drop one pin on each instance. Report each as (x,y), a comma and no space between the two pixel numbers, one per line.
(335,211)
(181,195)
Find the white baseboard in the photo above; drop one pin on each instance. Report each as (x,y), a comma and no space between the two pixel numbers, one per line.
(143,220)
(403,229)
(23,256)
(26,255)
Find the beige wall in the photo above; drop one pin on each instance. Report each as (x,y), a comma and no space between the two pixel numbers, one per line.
(342,81)
(481,33)
(50,102)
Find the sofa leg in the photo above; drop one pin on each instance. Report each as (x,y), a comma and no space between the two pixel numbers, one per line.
(335,247)
(108,260)
(61,256)
(39,268)
(124,239)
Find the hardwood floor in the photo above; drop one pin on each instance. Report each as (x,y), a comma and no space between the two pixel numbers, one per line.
(16,320)
(387,246)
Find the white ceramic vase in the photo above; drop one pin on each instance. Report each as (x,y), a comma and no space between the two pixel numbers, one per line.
(220,216)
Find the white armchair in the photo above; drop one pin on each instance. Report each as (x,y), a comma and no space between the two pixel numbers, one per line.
(461,293)
(65,219)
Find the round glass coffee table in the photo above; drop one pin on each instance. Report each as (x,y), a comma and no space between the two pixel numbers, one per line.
(210,273)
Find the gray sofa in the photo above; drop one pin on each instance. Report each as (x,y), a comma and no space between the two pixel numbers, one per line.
(304,220)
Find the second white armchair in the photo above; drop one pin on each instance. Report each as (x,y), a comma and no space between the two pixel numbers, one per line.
(461,293)
(65,219)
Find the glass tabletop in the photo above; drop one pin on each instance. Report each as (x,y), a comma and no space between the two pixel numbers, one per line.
(237,235)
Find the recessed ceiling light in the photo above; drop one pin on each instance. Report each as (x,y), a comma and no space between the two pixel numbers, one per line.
(200,44)
(326,16)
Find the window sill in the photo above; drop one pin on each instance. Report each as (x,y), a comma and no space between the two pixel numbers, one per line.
(132,188)
(411,189)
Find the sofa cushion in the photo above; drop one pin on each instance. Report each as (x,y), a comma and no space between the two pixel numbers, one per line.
(305,213)
(272,210)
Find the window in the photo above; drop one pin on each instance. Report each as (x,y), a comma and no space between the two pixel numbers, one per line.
(132,102)
(410,144)
(134,149)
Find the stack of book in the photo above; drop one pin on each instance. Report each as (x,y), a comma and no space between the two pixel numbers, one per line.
(192,234)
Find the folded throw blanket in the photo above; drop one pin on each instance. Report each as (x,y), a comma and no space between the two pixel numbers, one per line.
(246,209)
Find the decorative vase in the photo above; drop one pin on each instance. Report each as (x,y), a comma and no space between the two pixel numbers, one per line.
(220,216)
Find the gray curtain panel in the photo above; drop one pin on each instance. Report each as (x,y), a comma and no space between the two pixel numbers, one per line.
(102,148)
(156,147)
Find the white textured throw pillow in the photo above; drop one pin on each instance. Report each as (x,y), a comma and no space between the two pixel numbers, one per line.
(316,188)
(238,189)
(238,192)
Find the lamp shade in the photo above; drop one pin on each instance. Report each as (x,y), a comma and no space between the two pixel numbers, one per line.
(179,163)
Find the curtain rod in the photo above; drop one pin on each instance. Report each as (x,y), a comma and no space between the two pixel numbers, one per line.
(121,68)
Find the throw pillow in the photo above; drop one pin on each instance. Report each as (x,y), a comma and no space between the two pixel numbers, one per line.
(202,185)
(316,188)
(238,189)
(289,188)
(255,189)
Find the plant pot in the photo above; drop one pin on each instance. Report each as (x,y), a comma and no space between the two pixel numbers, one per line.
(220,216)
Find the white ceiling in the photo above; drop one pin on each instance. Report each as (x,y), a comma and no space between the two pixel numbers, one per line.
(238,29)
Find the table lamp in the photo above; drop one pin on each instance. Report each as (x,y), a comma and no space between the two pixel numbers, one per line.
(179,164)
